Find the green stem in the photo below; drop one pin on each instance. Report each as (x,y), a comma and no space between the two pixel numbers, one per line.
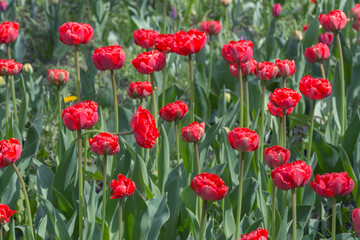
(164,16)
(177,140)
(197,158)
(273,211)
(153,96)
(89,10)
(203,221)
(227,25)
(115,101)
(8,51)
(210,66)
(342,85)
(241,176)
(284,82)
(85,154)
(164,86)
(241,112)
(1,232)
(192,106)
(284,128)
(350,24)
(293,198)
(281,143)
(104,197)
(247,113)
(262,127)
(13,96)
(23,188)
(120,218)
(6,102)
(311,131)
(78,83)
(265,16)
(327,102)
(80,179)
(333,229)
(59,109)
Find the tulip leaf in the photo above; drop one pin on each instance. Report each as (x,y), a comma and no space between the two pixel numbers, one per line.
(351,136)
(312,33)
(163,160)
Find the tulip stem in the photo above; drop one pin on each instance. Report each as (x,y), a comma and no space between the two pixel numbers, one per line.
(281,143)
(247,113)
(23,188)
(1,232)
(241,112)
(115,101)
(203,220)
(227,25)
(342,85)
(120,218)
(350,23)
(265,16)
(104,197)
(284,127)
(327,102)
(293,198)
(192,106)
(284,82)
(177,140)
(241,176)
(8,52)
(197,158)
(210,65)
(78,83)
(333,229)
(273,211)
(308,154)
(59,108)
(80,179)
(153,96)
(163,86)
(262,127)
(164,16)
(6,102)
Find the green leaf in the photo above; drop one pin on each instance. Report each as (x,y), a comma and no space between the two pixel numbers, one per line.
(312,33)
(282,234)
(194,224)
(351,135)
(163,160)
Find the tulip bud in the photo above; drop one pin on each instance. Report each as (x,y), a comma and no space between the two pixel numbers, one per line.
(276,11)
(174,12)
(298,36)
(227,97)
(226,2)
(28,68)
(3,6)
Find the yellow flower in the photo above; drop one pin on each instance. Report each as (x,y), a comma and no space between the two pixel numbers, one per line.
(70,99)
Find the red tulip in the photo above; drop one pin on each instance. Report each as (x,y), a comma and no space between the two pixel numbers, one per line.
(173,111)
(121,187)
(305,27)
(139,89)
(211,27)
(278,112)
(237,52)
(287,68)
(104,144)
(332,184)
(326,38)
(356,17)
(144,127)
(109,58)
(187,43)
(73,33)
(82,115)
(266,70)
(3,6)
(315,88)
(10,151)
(276,10)
(356,220)
(247,68)
(276,156)
(313,1)
(9,67)
(9,31)
(193,132)
(57,77)
(319,52)
(258,234)
(145,38)
(164,42)
(148,62)
(5,213)
(291,175)
(243,139)
(285,98)
(333,21)
(209,187)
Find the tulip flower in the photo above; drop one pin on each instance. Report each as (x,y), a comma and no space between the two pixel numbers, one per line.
(276,156)
(10,151)
(356,220)
(333,21)
(145,38)
(9,31)
(287,68)
(330,185)
(139,90)
(3,6)
(209,187)
(243,140)
(276,10)
(121,188)
(5,214)
(258,234)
